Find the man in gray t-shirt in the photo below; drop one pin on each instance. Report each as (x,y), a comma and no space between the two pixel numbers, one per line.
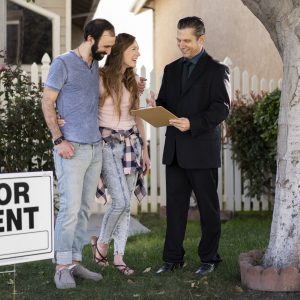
(72,87)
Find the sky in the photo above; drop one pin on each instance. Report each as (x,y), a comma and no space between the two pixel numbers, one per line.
(140,26)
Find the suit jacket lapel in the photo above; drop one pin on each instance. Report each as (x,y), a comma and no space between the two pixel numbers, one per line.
(198,71)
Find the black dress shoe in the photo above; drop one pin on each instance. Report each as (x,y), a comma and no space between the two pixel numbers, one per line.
(168,267)
(206,268)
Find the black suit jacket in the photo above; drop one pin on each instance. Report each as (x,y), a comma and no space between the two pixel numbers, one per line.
(205,101)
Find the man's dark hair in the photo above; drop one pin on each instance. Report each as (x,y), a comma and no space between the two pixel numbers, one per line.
(96,27)
(192,22)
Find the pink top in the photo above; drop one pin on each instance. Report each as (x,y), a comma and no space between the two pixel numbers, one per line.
(108,117)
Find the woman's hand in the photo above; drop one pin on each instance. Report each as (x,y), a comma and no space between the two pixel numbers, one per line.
(146,162)
(142,85)
(151,100)
(60,121)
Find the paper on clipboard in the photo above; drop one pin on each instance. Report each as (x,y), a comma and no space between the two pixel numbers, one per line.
(157,116)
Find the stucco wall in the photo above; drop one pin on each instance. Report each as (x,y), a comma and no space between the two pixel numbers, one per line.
(231,30)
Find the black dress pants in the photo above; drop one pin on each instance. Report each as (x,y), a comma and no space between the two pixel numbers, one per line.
(179,184)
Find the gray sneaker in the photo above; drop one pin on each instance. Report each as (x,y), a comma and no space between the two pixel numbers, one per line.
(64,279)
(80,271)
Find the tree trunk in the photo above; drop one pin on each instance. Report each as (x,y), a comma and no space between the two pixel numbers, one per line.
(282,20)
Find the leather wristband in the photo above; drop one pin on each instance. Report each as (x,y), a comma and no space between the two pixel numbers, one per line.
(58,140)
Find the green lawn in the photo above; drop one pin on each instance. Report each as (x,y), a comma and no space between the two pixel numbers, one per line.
(242,233)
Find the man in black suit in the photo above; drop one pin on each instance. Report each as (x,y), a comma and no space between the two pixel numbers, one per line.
(196,89)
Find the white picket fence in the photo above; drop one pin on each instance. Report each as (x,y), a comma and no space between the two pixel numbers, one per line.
(231,192)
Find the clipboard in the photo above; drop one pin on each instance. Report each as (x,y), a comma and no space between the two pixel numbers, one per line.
(157,116)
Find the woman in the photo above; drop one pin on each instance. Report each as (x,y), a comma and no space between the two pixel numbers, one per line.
(125,154)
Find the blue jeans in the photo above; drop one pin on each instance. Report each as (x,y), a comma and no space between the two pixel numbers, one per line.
(77,182)
(115,223)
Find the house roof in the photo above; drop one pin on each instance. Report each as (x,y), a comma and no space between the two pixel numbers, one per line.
(83,11)
(139,6)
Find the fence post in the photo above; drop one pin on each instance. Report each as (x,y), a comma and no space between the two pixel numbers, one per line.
(143,97)
(271,85)
(236,79)
(134,205)
(255,204)
(265,201)
(228,177)
(2,96)
(246,199)
(34,70)
(237,187)
(263,85)
(245,83)
(162,168)
(220,170)
(254,84)
(155,163)
(153,173)
(228,62)
(45,67)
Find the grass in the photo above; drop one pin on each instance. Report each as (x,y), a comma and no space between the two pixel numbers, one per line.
(240,234)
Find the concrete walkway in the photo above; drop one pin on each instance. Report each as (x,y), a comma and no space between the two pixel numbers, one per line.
(95,221)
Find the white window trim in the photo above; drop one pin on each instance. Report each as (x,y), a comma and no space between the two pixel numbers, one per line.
(68,24)
(55,19)
(2,27)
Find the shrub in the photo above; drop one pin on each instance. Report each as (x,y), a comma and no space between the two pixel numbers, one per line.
(252,128)
(25,142)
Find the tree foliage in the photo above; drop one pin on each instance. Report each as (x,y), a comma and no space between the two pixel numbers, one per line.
(25,142)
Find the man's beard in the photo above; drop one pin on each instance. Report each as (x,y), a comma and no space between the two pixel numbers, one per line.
(95,54)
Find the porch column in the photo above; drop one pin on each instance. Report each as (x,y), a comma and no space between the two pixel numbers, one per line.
(3,29)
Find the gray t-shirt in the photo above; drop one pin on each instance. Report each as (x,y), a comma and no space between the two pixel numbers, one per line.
(78,98)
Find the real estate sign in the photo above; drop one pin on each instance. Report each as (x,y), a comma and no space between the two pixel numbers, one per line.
(26,217)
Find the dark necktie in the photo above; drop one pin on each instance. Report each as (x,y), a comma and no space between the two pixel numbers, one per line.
(185,72)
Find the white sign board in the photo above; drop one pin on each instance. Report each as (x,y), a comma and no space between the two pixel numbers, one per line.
(26,217)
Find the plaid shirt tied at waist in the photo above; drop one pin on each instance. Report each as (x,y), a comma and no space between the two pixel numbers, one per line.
(132,160)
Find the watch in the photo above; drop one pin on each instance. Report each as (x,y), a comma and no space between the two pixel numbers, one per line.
(58,140)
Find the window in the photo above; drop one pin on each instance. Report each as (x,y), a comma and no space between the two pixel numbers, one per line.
(29,35)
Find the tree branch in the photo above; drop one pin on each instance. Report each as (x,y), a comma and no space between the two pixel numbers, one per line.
(270,12)
(296,3)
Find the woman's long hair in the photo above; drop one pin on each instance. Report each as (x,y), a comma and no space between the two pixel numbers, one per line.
(113,78)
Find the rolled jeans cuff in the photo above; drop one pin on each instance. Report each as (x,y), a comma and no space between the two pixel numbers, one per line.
(77,256)
(63,258)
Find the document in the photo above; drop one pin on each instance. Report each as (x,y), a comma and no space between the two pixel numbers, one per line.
(157,116)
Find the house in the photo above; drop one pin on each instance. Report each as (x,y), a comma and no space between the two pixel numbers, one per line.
(36,27)
(232,31)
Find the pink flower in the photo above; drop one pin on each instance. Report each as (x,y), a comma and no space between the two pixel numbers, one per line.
(3,67)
